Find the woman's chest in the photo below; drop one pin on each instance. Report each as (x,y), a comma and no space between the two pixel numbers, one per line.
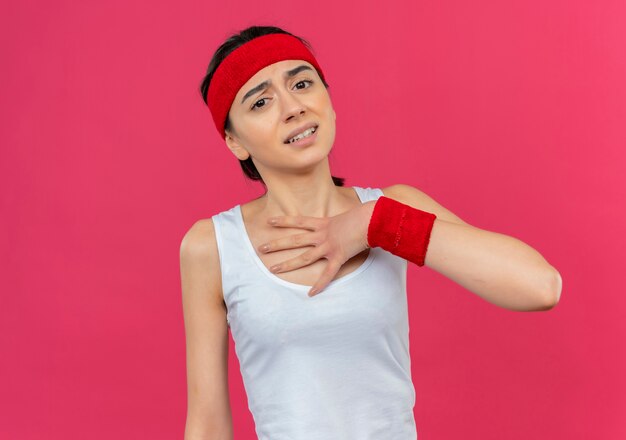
(270,314)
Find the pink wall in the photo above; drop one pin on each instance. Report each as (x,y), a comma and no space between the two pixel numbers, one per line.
(510,114)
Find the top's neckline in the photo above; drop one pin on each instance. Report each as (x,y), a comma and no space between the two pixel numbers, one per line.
(246,238)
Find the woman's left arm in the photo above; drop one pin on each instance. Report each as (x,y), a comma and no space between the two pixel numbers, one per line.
(499,268)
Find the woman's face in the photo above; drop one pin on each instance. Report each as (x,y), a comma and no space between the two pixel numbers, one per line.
(260,125)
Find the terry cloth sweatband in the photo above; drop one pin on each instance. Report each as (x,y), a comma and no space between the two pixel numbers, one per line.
(242,63)
(400,229)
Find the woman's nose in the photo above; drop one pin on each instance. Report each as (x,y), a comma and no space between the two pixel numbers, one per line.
(291,105)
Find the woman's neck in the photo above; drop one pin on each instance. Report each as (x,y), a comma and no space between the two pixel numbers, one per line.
(320,199)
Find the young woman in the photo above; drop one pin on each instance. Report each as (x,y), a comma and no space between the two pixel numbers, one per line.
(336,364)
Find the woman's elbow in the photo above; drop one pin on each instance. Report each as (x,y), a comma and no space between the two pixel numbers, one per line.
(552,293)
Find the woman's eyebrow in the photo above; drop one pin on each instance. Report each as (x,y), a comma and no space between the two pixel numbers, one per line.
(266,84)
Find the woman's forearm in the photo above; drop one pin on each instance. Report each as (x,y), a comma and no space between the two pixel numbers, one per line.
(500,269)
(203,430)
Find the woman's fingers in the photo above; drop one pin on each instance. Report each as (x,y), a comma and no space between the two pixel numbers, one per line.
(291,242)
(325,279)
(297,221)
(336,238)
(302,260)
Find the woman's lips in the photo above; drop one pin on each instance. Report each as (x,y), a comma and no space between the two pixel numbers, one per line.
(305,141)
(301,131)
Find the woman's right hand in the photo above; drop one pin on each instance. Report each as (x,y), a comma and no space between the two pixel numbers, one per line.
(336,238)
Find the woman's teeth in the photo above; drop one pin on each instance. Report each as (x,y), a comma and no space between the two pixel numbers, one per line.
(304,134)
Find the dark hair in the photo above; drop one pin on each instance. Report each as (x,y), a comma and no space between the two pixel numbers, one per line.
(232,43)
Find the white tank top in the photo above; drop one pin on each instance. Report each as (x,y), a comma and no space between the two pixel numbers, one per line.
(335,366)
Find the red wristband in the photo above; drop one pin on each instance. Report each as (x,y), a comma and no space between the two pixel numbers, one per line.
(400,229)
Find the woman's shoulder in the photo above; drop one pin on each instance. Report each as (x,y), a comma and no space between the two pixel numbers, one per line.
(199,253)
(199,241)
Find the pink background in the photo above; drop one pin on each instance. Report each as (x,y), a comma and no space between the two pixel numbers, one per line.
(511,114)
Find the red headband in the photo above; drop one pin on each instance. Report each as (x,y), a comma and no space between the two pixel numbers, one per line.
(242,63)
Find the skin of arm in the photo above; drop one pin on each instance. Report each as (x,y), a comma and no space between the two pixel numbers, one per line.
(500,269)
(206,335)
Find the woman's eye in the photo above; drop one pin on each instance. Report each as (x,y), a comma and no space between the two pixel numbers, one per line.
(302,82)
(254,106)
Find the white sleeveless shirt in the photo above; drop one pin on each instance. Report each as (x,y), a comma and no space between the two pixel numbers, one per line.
(335,366)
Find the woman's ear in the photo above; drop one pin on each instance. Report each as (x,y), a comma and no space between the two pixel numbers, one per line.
(235,146)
